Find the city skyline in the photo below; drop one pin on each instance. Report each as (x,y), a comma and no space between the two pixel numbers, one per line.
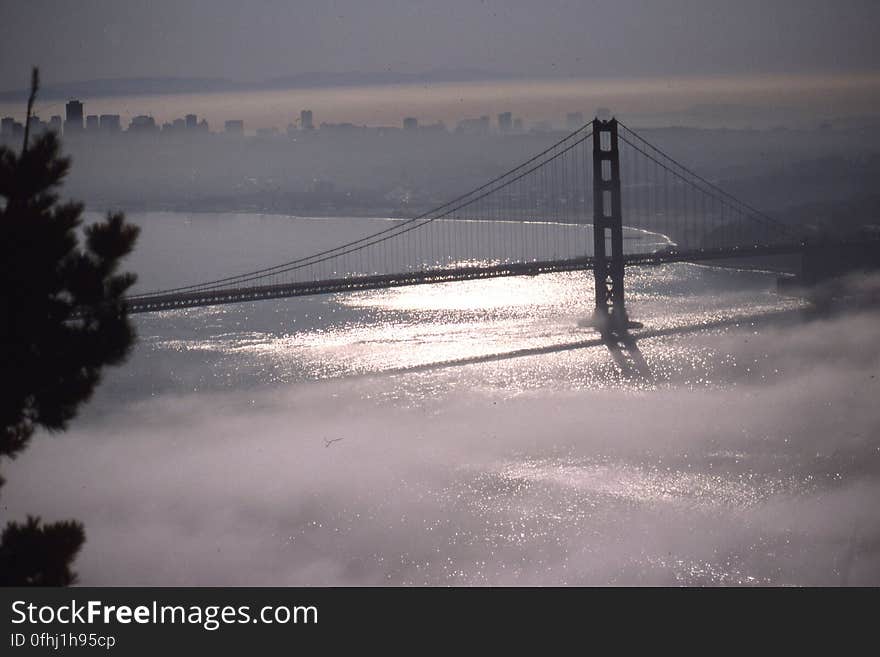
(77,122)
(744,101)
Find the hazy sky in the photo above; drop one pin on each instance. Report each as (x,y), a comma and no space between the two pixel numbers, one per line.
(254,40)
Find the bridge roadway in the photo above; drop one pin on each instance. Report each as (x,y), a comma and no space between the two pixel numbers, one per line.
(211,297)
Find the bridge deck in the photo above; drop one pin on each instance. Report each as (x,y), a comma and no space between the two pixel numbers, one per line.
(160,302)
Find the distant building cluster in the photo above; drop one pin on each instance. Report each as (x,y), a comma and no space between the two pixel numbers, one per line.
(74,123)
(77,123)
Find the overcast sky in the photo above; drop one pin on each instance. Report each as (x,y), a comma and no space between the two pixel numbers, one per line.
(258,39)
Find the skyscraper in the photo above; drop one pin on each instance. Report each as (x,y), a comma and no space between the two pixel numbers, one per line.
(110,123)
(191,122)
(74,122)
(305,120)
(410,123)
(234,127)
(142,124)
(505,121)
(37,126)
(478,126)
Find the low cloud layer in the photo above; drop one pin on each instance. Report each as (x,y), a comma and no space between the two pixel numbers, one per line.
(753,459)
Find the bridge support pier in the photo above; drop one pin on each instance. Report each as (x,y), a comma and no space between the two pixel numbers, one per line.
(610,313)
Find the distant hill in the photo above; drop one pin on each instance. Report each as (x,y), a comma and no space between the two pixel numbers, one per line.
(358,78)
(158,86)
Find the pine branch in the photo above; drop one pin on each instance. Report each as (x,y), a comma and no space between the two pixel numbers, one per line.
(35,85)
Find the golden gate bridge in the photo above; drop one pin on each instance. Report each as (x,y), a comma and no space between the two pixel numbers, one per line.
(622,201)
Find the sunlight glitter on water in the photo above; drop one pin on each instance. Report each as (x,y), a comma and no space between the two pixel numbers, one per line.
(640,484)
(543,320)
(488,295)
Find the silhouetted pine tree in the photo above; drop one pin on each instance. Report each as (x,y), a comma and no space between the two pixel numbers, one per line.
(62,319)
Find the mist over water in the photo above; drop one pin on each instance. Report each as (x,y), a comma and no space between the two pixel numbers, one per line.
(470,433)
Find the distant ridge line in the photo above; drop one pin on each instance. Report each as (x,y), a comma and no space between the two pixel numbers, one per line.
(172,85)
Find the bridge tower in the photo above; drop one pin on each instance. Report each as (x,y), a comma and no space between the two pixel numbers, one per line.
(610,313)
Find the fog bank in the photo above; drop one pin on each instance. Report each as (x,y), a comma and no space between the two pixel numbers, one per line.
(761,466)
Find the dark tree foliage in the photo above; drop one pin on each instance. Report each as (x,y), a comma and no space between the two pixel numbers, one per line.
(62,319)
(39,555)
